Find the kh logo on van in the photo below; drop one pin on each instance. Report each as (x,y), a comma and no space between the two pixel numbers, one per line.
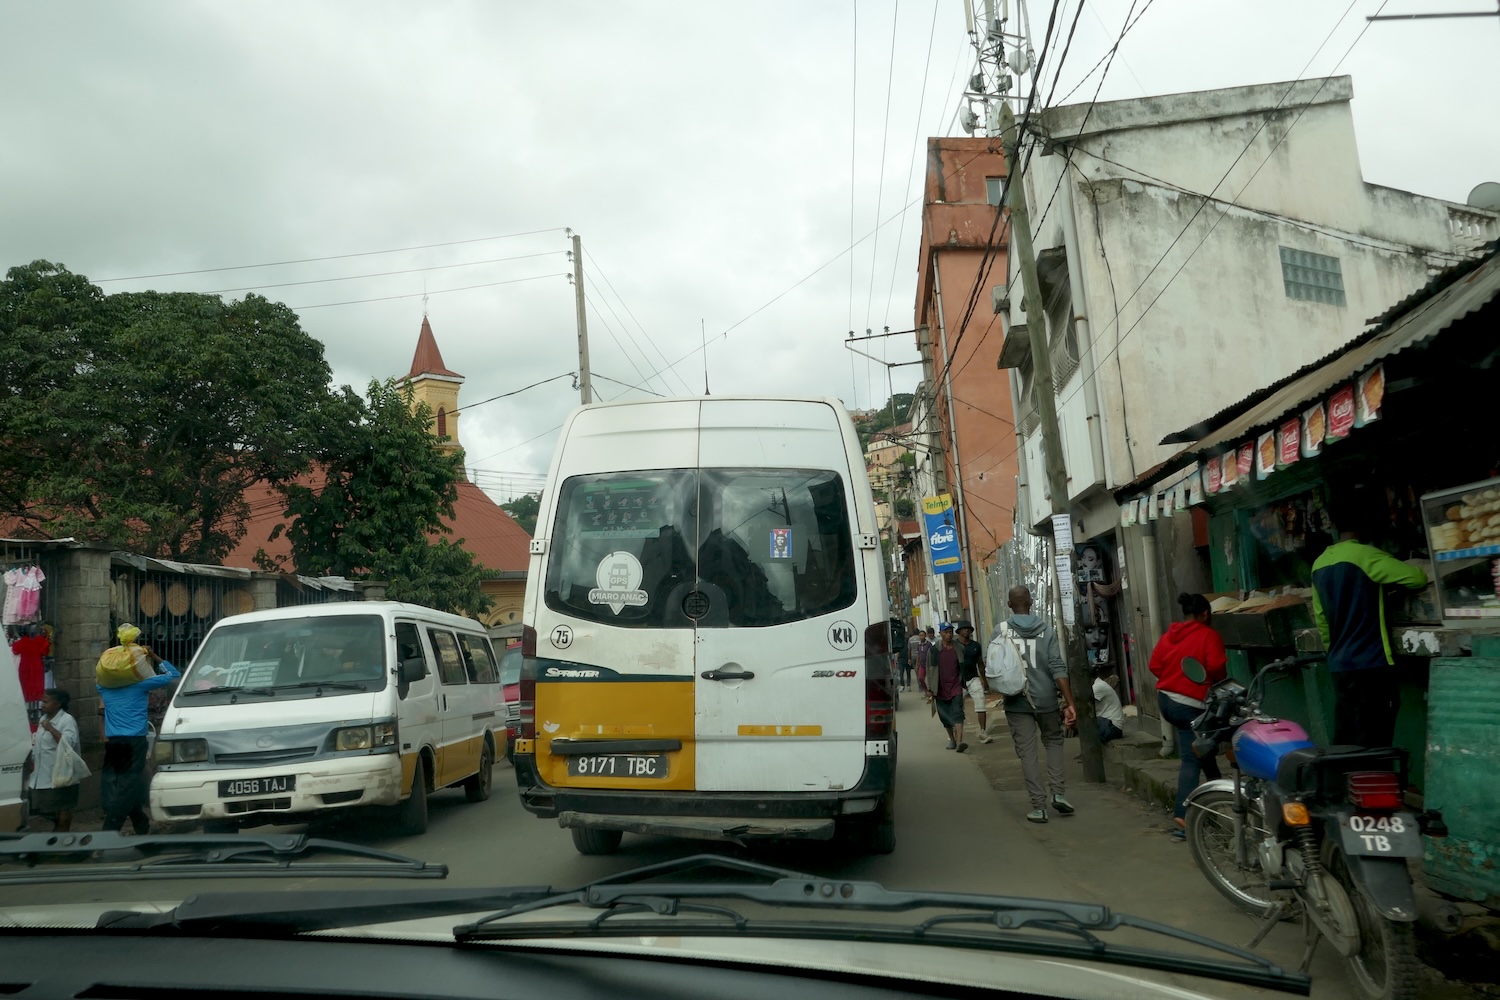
(619,578)
(841,635)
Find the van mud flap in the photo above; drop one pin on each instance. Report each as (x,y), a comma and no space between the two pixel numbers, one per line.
(731,829)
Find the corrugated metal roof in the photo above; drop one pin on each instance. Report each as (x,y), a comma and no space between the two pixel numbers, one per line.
(1446,299)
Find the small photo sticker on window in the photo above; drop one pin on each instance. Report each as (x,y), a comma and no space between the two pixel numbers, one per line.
(781,543)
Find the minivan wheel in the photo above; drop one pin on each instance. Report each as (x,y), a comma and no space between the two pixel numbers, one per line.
(589,841)
(411,815)
(477,788)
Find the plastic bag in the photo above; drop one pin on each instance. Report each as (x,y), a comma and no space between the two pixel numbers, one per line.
(122,666)
(70,768)
(1004,665)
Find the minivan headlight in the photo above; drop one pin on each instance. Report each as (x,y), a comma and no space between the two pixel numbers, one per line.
(180,751)
(381,734)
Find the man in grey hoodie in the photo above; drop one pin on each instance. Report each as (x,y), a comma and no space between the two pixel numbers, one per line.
(1036,715)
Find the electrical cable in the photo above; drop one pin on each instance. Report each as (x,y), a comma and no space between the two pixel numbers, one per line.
(853,158)
(588,300)
(911,164)
(594,265)
(513,392)
(627,385)
(337,256)
(381,274)
(885,132)
(418,295)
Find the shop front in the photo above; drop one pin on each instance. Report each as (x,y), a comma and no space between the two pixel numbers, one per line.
(1397,431)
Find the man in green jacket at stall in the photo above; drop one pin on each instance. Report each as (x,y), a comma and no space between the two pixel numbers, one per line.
(1349,581)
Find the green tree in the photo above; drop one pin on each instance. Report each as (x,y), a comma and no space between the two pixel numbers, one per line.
(905,510)
(375,503)
(525,509)
(894,411)
(139,419)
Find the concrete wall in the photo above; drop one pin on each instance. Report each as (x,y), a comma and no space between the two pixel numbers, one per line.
(1186,309)
(81,613)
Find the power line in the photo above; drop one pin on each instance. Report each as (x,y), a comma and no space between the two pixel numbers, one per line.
(381,274)
(626,306)
(885,131)
(627,385)
(337,256)
(911,164)
(1124,30)
(513,392)
(418,295)
(611,331)
(505,451)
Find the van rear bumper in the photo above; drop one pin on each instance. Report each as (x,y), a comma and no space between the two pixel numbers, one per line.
(550,802)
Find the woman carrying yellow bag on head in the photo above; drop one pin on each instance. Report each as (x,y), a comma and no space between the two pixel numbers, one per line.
(125,664)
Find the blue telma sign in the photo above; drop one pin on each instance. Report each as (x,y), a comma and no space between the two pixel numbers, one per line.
(942,536)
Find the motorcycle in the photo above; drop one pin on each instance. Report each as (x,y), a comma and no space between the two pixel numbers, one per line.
(1321,832)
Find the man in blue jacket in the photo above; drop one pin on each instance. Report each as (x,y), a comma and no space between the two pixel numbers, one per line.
(1349,581)
(122,783)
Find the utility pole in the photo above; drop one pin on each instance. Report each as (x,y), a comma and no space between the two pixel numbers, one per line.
(585,390)
(1057,471)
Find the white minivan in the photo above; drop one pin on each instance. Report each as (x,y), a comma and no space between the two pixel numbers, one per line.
(705,641)
(286,714)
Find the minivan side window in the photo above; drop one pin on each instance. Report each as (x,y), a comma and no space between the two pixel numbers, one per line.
(450,660)
(409,647)
(757,546)
(478,659)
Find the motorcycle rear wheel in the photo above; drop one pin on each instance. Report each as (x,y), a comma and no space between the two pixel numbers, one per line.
(1385,967)
(1210,836)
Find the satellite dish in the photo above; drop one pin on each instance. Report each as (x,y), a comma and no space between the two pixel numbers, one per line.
(1486,196)
(969,120)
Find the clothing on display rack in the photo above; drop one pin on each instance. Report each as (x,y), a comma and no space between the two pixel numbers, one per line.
(30,648)
(23,595)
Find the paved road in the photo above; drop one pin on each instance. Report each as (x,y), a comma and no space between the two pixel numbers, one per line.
(960,827)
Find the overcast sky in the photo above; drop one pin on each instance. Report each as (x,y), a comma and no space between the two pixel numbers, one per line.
(706,152)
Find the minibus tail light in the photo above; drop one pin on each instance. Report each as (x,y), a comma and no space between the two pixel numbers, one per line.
(526,695)
(879,695)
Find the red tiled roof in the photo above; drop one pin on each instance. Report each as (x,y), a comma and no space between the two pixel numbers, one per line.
(495,540)
(428,360)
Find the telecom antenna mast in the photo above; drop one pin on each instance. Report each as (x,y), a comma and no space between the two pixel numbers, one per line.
(1003,66)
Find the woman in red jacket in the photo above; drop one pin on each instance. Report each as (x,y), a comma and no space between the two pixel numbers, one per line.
(1181,698)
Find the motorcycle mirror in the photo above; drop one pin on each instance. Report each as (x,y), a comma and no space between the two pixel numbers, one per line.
(1193,670)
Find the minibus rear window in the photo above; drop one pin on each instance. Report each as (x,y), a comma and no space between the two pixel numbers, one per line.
(763,546)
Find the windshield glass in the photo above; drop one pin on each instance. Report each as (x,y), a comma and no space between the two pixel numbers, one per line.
(510,666)
(287,654)
(775,543)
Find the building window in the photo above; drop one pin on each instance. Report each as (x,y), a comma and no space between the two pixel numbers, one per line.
(993,187)
(442,422)
(1312,276)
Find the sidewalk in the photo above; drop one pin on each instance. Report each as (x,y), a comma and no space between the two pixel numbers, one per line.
(1118,850)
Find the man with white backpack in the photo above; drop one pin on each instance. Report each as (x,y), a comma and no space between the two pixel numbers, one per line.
(1024,663)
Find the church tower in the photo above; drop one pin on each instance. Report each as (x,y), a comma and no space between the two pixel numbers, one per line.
(432,383)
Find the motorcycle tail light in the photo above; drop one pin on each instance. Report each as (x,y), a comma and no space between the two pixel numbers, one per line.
(1295,814)
(1375,790)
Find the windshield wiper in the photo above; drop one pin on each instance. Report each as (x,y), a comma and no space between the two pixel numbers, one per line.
(351,685)
(219,689)
(991,923)
(40,858)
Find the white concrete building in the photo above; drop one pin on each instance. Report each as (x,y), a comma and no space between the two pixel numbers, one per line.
(1164,306)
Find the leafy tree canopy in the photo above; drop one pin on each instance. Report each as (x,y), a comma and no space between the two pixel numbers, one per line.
(140,418)
(894,411)
(524,509)
(376,500)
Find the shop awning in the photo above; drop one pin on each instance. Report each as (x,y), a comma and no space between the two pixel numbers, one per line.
(1448,298)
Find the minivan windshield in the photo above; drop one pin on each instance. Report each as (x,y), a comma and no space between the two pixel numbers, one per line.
(763,546)
(290,654)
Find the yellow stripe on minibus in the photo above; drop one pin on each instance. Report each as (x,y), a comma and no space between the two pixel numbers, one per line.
(781,731)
